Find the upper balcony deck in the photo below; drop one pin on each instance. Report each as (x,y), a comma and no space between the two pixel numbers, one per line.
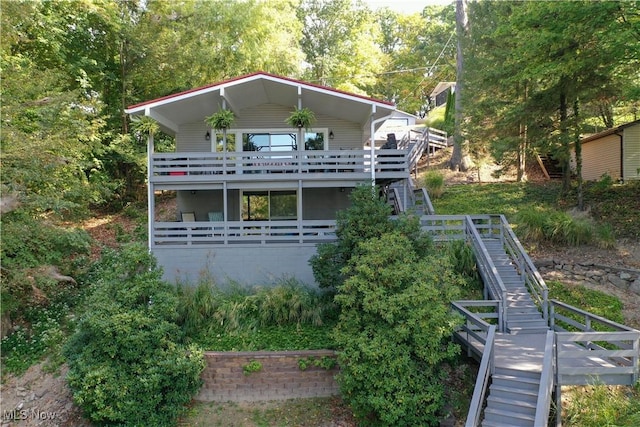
(352,165)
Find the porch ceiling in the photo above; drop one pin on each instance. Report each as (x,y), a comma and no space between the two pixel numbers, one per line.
(254,90)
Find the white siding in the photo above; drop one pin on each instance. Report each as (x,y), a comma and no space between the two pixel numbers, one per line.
(601,156)
(191,138)
(631,161)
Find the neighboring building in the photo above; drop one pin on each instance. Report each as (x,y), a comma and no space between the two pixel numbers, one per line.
(440,93)
(255,208)
(615,152)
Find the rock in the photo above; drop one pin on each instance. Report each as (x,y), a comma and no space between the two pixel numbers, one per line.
(617,281)
(544,263)
(635,286)
(625,276)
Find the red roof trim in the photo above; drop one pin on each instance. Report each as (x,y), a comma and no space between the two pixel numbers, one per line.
(259,73)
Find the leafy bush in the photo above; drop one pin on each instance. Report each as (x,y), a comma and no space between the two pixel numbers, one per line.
(367,217)
(394,331)
(434,183)
(463,260)
(30,242)
(127,364)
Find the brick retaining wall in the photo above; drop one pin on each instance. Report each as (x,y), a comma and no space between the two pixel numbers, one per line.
(279,378)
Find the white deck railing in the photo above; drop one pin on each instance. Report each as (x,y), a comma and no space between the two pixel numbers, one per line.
(189,166)
(205,233)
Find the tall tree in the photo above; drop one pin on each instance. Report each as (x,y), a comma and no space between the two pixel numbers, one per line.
(339,41)
(420,52)
(460,158)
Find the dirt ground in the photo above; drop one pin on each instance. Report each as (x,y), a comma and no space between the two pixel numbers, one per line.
(38,398)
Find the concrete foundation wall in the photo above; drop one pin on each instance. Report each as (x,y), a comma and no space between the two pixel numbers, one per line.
(278,378)
(248,265)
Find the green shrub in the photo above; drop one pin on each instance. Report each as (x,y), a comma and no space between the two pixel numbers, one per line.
(367,217)
(394,332)
(127,365)
(605,236)
(532,224)
(571,231)
(434,183)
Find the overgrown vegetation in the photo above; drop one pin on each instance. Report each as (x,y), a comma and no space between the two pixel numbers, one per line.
(282,316)
(393,334)
(602,405)
(434,183)
(128,363)
(611,209)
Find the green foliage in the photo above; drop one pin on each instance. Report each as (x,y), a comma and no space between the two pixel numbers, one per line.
(323,362)
(434,183)
(29,242)
(394,331)
(602,405)
(251,367)
(593,301)
(562,228)
(27,346)
(368,216)
(222,119)
(145,125)
(284,316)
(126,361)
(463,261)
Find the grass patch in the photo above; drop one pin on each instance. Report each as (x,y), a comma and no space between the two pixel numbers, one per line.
(311,412)
(593,301)
(496,198)
(611,207)
(602,405)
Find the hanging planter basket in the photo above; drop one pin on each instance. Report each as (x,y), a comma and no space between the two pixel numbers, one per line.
(221,120)
(301,118)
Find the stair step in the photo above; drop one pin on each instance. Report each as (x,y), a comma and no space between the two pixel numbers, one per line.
(521,380)
(532,323)
(509,417)
(512,404)
(487,423)
(527,330)
(511,392)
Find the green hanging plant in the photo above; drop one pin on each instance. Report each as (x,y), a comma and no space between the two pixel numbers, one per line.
(301,118)
(221,120)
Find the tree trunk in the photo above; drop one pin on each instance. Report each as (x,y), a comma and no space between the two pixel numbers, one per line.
(460,159)
(522,145)
(578,152)
(565,150)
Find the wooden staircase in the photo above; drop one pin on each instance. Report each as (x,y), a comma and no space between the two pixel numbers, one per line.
(512,400)
(523,315)
(551,167)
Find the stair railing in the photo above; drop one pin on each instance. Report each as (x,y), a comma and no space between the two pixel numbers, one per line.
(490,276)
(482,380)
(530,274)
(393,196)
(620,347)
(547,381)
(422,196)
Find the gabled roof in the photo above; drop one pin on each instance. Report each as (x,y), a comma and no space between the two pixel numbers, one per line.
(440,87)
(609,131)
(256,89)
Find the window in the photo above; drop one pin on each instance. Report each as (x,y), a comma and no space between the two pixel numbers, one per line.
(216,143)
(281,141)
(269,205)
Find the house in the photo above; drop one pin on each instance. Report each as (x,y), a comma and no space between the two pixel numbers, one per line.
(615,152)
(254,201)
(440,93)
